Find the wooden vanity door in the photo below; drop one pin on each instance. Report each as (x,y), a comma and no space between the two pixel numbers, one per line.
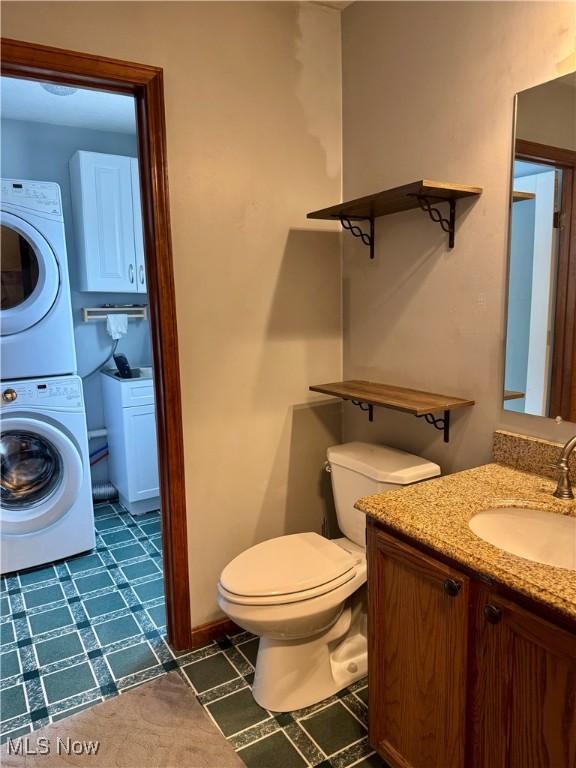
(417,662)
(523,702)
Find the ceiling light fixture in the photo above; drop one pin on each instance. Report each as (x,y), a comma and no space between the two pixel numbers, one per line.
(59,90)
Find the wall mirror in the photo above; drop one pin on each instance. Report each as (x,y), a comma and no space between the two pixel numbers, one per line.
(540,364)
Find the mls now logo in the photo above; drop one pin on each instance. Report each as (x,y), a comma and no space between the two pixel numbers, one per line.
(43,746)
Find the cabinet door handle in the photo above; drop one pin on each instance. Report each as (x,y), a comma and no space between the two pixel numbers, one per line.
(452,587)
(141,274)
(131,272)
(492,614)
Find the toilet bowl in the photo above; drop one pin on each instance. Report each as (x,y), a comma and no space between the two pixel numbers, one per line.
(305,595)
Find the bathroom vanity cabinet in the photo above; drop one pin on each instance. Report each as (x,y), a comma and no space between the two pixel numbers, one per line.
(461,675)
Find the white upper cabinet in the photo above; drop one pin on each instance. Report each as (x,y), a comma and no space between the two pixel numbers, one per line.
(138,231)
(108,222)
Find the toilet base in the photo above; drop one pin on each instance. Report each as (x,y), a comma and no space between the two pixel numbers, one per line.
(293,674)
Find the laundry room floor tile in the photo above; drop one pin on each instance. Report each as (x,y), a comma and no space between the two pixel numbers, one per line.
(93,582)
(48,621)
(36,576)
(158,615)
(84,563)
(58,648)
(13,702)
(43,596)
(150,590)
(106,634)
(64,627)
(131,660)
(68,682)
(106,523)
(138,570)
(6,633)
(107,603)
(117,629)
(9,664)
(118,537)
(128,552)
(151,528)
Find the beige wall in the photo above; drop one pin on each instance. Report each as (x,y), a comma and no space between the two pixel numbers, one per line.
(428,93)
(253,118)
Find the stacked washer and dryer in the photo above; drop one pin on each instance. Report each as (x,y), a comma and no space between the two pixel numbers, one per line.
(46,501)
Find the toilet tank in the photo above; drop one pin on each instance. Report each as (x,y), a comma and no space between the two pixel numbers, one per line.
(362,469)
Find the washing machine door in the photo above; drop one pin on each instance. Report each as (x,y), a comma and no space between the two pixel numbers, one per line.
(30,275)
(41,474)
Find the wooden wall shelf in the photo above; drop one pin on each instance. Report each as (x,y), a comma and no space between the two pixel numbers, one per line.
(517,196)
(510,394)
(424,194)
(367,394)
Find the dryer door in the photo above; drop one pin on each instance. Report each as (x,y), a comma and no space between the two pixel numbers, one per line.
(41,474)
(30,275)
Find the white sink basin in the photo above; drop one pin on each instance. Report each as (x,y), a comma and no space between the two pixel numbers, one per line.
(545,537)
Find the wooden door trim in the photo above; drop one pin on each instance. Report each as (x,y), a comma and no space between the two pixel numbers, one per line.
(145,83)
(565,319)
(544,153)
(563,379)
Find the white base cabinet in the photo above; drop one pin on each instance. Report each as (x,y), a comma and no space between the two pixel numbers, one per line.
(130,417)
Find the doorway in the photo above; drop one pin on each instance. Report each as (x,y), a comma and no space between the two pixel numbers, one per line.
(143,85)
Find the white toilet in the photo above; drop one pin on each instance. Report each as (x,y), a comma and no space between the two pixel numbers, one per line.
(305,596)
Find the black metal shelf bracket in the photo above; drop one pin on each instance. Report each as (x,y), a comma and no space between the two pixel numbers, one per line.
(367,238)
(447,224)
(365,407)
(441,423)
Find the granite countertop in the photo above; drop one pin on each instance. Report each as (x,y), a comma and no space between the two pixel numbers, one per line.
(436,513)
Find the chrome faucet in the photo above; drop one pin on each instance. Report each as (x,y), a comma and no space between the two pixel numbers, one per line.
(564,487)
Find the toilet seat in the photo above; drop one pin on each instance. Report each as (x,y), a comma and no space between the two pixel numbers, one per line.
(291,597)
(287,569)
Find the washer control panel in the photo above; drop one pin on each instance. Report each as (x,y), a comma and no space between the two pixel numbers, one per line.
(65,392)
(40,196)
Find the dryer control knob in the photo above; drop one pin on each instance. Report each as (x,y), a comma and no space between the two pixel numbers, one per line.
(9,395)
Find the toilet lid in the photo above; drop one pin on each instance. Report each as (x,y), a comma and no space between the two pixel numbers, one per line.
(284,565)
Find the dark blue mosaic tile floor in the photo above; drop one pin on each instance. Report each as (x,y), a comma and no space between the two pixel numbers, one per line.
(330,734)
(82,630)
